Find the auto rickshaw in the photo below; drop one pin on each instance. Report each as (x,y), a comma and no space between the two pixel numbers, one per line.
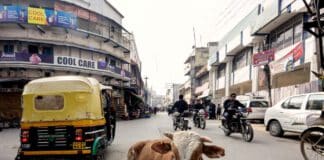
(66,116)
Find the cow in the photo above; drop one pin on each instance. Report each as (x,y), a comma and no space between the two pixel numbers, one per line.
(182,145)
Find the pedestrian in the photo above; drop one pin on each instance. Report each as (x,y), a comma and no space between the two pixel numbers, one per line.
(218,111)
(212,109)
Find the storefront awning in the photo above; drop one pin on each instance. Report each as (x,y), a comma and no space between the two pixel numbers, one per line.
(136,99)
(204,94)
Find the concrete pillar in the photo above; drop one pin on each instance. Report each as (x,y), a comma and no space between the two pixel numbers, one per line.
(228,74)
(214,80)
(255,74)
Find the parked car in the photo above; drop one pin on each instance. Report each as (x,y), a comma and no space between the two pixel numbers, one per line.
(256,106)
(289,115)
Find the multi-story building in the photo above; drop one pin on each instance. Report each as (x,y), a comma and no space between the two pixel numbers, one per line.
(268,53)
(196,70)
(172,93)
(61,37)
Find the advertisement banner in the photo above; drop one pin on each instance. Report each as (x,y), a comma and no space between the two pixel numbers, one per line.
(24,56)
(13,14)
(36,16)
(65,19)
(287,62)
(264,57)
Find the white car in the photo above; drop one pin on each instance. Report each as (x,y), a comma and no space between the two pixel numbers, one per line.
(289,115)
(256,106)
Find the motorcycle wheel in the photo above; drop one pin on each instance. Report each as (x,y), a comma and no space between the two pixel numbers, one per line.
(202,124)
(247,132)
(311,144)
(175,125)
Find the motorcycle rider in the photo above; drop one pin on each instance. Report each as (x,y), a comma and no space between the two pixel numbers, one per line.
(230,106)
(197,106)
(180,106)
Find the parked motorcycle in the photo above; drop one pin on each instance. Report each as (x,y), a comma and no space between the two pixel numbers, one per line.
(199,119)
(180,122)
(238,124)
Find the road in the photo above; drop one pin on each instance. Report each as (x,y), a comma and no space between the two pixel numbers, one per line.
(263,146)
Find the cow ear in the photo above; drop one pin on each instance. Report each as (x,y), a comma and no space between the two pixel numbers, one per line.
(161,147)
(169,135)
(213,151)
(205,139)
(135,150)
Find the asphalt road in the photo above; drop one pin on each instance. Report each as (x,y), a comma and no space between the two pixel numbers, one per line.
(263,146)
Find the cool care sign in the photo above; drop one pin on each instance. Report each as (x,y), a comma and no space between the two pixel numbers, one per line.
(75,62)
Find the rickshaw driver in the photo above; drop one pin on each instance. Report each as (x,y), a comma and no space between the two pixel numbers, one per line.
(109,114)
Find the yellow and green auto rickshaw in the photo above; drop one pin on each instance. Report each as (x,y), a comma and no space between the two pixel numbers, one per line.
(66,116)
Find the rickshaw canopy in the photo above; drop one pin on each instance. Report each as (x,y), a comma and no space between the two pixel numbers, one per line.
(63,98)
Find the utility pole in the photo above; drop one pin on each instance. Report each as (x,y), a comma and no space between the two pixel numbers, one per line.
(146,90)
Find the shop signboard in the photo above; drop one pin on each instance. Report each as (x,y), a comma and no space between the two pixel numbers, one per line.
(288,61)
(75,62)
(264,57)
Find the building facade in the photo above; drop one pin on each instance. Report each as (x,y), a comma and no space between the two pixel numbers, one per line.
(268,53)
(62,37)
(198,75)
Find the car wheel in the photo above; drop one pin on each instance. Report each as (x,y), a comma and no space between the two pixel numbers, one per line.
(275,129)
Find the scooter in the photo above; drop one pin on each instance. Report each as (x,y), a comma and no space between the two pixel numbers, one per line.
(199,119)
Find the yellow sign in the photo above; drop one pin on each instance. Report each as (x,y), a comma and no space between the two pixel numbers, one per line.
(36,16)
(79,145)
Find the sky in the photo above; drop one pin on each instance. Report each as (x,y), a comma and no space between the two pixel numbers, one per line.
(164,32)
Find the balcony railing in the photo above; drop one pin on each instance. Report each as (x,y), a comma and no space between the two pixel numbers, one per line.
(67,61)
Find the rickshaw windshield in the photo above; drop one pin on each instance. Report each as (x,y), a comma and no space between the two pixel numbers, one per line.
(49,102)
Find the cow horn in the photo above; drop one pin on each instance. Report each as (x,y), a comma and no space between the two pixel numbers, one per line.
(169,135)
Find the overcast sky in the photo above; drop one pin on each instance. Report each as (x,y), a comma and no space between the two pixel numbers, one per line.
(164,35)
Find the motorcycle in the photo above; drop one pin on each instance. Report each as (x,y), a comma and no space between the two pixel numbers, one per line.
(199,119)
(238,124)
(180,122)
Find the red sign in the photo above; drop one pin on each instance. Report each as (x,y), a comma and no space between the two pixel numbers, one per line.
(264,57)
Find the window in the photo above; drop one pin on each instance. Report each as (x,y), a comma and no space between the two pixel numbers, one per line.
(8,49)
(298,33)
(49,102)
(259,104)
(32,49)
(47,51)
(240,60)
(112,62)
(315,102)
(293,103)
(288,37)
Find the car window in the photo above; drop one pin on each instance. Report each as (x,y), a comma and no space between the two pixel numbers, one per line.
(259,104)
(285,104)
(296,102)
(315,102)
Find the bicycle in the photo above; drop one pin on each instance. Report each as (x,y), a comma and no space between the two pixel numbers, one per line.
(312,139)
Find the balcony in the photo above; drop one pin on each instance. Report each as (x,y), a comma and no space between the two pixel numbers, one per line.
(69,22)
(202,88)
